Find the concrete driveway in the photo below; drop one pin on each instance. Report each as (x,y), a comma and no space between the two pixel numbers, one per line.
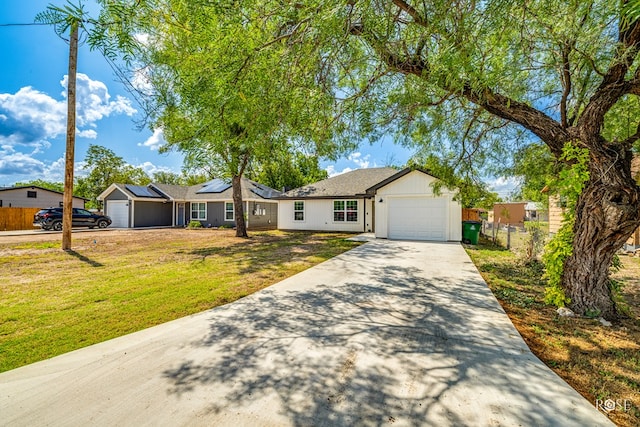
(402,333)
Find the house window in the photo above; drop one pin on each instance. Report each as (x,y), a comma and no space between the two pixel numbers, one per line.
(228,211)
(345,210)
(199,211)
(298,211)
(32,194)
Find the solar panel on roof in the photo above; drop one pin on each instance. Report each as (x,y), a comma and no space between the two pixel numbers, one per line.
(215,186)
(262,191)
(141,191)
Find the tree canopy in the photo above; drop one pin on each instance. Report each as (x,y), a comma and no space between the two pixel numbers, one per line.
(286,170)
(219,89)
(106,168)
(482,79)
(467,80)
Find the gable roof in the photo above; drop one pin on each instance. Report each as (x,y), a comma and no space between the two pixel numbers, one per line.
(397,175)
(33,187)
(350,184)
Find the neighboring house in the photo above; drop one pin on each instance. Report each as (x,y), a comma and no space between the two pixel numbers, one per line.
(556,209)
(34,197)
(509,214)
(534,211)
(390,203)
(211,203)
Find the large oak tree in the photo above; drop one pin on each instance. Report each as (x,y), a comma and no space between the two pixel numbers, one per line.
(565,72)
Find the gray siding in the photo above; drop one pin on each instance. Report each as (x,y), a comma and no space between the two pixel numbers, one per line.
(216,215)
(267,221)
(17,198)
(152,214)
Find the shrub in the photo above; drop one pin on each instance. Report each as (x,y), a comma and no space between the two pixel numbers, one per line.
(570,184)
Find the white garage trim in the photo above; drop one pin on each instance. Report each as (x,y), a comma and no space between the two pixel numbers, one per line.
(418,218)
(118,210)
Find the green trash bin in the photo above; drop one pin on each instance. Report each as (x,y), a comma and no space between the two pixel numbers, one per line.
(471,231)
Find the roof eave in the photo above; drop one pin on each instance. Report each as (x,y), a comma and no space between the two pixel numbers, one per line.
(371,190)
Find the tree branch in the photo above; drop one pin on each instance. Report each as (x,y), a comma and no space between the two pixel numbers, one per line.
(613,85)
(543,126)
(411,11)
(566,83)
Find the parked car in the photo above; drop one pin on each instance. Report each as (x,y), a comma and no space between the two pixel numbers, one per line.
(51,219)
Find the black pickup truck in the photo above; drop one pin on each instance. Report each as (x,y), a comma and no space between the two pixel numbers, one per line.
(51,219)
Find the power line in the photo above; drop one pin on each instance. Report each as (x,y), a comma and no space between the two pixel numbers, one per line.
(23,25)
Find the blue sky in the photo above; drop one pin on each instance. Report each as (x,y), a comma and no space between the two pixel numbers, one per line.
(33,108)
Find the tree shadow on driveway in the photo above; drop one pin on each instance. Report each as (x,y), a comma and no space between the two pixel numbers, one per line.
(396,345)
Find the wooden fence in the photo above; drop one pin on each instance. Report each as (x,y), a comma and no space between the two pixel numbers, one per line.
(17,218)
(471,214)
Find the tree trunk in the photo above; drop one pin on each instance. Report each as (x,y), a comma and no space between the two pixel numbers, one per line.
(607,212)
(241,226)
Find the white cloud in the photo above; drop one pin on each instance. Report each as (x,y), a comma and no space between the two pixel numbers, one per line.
(31,115)
(54,171)
(141,81)
(362,162)
(331,170)
(504,186)
(150,168)
(357,159)
(20,164)
(93,101)
(89,134)
(30,120)
(155,141)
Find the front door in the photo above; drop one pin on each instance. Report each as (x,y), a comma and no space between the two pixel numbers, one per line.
(180,219)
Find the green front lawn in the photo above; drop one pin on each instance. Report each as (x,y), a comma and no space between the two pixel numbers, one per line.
(52,302)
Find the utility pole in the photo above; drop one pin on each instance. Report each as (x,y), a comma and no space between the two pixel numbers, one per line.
(67,201)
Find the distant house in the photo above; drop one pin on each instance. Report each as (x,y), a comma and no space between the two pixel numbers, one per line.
(511,213)
(210,203)
(390,203)
(534,211)
(34,197)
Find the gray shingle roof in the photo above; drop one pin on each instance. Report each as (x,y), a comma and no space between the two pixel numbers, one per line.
(345,185)
(251,190)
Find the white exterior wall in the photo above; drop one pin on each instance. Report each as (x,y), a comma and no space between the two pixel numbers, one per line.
(318,216)
(416,184)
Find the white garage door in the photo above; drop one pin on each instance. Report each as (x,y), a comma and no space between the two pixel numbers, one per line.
(418,218)
(118,210)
